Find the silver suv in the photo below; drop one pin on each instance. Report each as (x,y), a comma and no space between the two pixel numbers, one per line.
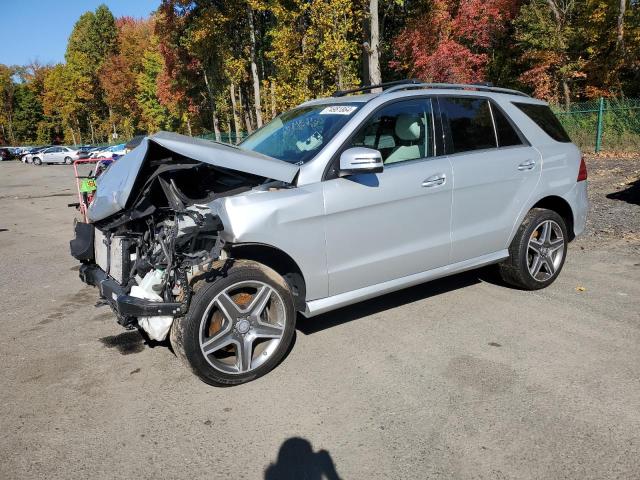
(334,202)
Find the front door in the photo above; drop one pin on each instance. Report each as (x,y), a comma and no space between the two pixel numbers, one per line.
(52,155)
(385,226)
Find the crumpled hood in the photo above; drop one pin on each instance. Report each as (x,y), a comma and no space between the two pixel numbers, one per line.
(114,185)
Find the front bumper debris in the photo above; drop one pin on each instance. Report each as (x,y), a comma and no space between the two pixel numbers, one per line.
(126,306)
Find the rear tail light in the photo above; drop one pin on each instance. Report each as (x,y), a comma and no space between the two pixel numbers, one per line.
(582,173)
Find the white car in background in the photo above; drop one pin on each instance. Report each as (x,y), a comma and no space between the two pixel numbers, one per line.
(109,152)
(56,154)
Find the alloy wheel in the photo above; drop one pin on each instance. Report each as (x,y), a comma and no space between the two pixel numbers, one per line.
(545,250)
(242,327)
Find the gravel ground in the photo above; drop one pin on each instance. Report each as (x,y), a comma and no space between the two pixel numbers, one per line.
(460,378)
(614,194)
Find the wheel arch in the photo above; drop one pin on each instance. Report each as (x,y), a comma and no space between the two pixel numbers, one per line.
(279,261)
(562,208)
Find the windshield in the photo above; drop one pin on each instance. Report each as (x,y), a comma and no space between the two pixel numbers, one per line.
(298,135)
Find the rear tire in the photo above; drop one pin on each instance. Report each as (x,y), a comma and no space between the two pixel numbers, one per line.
(242,314)
(537,252)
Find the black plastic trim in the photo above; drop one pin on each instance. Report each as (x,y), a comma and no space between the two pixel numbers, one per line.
(125,305)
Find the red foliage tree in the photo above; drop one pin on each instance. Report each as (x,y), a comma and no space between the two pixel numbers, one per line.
(452,40)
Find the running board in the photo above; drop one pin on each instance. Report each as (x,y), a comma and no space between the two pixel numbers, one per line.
(322,305)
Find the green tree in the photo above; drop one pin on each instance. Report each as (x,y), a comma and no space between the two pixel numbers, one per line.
(155,115)
(27,113)
(7,91)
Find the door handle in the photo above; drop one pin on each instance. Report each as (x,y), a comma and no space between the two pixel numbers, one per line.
(527,165)
(435,180)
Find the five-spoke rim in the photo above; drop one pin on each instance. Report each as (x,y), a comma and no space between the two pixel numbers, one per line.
(242,327)
(545,250)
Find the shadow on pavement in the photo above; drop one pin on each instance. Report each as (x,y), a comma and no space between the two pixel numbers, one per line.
(297,460)
(630,195)
(423,291)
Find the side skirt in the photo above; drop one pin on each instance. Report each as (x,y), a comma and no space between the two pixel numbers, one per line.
(322,305)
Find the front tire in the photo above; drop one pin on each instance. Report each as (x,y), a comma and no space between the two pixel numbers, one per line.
(240,323)
(537,252)
(67,160)
(37,161)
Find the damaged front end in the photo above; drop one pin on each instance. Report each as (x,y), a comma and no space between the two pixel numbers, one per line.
(155,224)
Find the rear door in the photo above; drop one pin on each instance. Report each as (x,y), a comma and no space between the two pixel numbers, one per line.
(495,171)
(381,227)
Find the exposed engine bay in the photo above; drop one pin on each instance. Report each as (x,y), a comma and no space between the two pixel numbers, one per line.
(166,235)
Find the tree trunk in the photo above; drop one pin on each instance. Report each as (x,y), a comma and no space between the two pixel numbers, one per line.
(254,68)
(79,133)
(212,102)
(93,138)
(73,135)
(113,125)
(234,108)
(273,99)
(566,92)
(216,127)
(620,29)
(189,126)
(245,110)
(556,11)
(375,76)
(13,139)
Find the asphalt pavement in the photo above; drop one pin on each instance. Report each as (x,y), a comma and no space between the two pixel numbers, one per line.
(461,378)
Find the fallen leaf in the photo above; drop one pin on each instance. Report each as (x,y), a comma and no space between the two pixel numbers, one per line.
(580,289)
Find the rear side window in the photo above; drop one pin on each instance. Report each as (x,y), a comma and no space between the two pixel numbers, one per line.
(546,120)
(507,135)
(468,121)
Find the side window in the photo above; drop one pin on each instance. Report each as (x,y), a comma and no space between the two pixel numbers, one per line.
(545,119)
(507,135)
(468,121)
(401,131)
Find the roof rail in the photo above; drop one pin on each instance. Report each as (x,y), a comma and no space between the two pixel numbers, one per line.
(396,83)
(480,87)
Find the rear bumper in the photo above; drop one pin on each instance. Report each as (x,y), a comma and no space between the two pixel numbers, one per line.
(579,202)
(125,305)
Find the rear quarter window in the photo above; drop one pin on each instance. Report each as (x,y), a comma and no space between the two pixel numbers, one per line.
(545,119)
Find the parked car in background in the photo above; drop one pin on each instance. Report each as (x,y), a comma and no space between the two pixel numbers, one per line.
(86,150)
(6,154)
(27,156)
(57,154)
(109,152)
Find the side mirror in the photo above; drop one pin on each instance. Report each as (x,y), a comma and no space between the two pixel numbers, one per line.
(360,160)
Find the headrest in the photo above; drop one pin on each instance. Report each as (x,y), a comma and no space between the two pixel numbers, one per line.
(408,127)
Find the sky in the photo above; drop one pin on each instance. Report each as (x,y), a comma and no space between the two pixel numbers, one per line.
(38,30)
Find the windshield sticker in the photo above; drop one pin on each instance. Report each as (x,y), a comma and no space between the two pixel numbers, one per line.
(338,110)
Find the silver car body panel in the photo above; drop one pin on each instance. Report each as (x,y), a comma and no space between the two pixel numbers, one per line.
(355,238)
(114,186)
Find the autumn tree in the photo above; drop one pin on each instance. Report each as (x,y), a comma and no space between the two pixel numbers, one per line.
(452,40)
(119,73)
(7,93)
(92,40)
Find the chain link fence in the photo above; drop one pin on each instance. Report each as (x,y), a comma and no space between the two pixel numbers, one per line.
(605,124)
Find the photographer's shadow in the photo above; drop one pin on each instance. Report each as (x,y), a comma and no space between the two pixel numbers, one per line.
(297,460)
